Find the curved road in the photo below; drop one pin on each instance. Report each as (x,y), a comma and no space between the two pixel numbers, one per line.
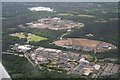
(68,31)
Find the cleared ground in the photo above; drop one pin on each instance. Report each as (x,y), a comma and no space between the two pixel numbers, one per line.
(2,18)
(35,38)
(30,38)
(65,14)
(19,35)
(85,42)
(86,16)
(79,42)
(81,15)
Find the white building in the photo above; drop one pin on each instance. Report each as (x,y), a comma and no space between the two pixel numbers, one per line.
(50,50)
(87,71)
(89,35)
(23,48)
(83,60)
(39,8)
(40,48)
(96,66)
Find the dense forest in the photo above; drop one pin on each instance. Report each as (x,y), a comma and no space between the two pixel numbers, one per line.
(18,13)
(105,31)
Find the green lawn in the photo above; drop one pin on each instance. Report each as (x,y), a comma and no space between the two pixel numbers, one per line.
(30,38)
(65,14)
(35,38)
(100,63)
(2,18)
(18,35)
(81,15)
(53,60)
(86,16)
(90,58)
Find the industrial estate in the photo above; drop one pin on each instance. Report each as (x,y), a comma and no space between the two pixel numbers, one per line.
(64,61)
(72,63)
(54,24)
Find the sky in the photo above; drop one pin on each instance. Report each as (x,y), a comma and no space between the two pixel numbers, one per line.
(60,0)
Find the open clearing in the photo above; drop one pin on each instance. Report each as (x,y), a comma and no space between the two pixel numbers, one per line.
(85,44)
(65,14)
(81,15)
(30,38)
(2,18)
(19,35)
(79,42)
(86,16)
(35,38)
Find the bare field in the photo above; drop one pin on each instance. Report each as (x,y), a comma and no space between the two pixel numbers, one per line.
(79,42)
(85,44)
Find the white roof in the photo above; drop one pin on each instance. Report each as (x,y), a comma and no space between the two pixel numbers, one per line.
(54,50)
(86,73)
(83,60)
(40,48)
(58,51)
(24,47)
(56,18)
(96,66)
(39,8)
(33,55)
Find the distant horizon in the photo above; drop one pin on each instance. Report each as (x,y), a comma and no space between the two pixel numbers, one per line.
(60,1)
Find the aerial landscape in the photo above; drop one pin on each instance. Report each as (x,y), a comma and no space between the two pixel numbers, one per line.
(60,40)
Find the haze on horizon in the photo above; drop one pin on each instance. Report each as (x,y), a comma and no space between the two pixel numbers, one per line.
(60,1)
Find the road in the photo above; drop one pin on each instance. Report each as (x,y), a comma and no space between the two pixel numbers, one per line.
(68,31)
(26,55)
(63,35)
(20,55)
(100,71)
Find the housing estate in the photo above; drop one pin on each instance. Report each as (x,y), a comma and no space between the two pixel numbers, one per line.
(72,63)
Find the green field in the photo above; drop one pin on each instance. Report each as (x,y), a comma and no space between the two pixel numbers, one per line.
(86,16)
(30,38)
(35,38)
(65,14)
(81,15)
(90,58)
(18,35)
(2,18)
(100,63)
